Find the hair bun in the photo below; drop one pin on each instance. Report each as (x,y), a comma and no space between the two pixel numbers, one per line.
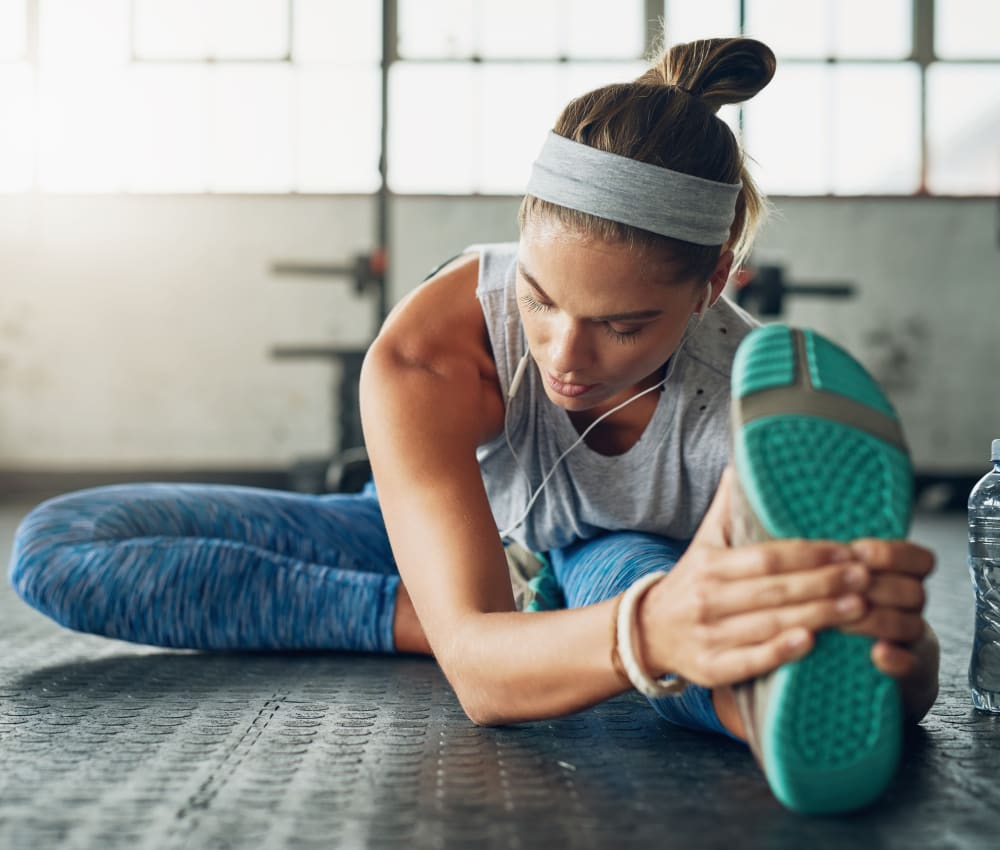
(716,70)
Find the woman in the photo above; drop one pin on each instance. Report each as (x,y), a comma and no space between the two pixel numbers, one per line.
(570,391)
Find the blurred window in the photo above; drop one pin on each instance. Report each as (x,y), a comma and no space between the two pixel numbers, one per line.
(887,97)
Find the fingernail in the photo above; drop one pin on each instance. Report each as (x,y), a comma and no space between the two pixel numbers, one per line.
(862,550)
(797,640)
(849,605)
(856,577)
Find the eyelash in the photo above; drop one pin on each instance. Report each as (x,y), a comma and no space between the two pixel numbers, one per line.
(623,337)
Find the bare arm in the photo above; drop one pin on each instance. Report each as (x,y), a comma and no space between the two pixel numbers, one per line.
(429,397)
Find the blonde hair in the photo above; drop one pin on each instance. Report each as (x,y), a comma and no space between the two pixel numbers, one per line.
(667,117)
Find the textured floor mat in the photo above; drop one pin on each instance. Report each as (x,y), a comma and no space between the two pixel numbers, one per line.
(107,745)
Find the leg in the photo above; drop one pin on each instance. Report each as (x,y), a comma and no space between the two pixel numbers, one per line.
(212,567)
(591,571)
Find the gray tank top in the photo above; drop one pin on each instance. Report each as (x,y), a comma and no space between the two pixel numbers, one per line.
(662,485)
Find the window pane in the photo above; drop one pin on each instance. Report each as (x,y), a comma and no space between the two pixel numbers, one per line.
(967,29)
(877,139)
(248,29)
(794,28)
(250,128)
(509,147)
(963,105)
(12,29)
(815,29)
(82,130)
(17,119)
(597,29)
(167,115)
(434,143)
(437,29)
(92,33)
(580,78)
(873,29)
(515,28)
(206,29)
(787,132)
(341,31)
(170,29)
(686,20)
(337,130)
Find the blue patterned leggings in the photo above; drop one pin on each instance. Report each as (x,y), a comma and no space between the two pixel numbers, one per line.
(238,568)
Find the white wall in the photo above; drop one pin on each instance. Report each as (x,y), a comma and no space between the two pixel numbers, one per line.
(135,331)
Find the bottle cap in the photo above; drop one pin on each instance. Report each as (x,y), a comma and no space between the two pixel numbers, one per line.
(995,454)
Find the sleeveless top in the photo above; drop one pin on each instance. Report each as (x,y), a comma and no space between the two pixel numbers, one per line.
(662,485)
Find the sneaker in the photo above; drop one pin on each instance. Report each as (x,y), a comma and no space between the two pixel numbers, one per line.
(533,580)
(819,454)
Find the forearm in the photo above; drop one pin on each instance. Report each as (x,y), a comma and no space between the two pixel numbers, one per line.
(509,667)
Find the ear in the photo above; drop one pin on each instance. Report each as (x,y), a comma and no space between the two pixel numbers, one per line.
(720,276)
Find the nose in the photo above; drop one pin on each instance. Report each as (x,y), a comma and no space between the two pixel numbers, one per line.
(570,351)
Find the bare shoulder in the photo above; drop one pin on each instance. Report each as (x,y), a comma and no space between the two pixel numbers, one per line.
(441,318)
(438,330)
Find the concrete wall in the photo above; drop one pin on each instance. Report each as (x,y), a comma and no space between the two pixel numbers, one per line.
(135,331)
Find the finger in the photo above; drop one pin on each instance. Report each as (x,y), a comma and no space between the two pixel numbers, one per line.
(889,624)
(893,660)
(762,626)
(896,555)
(896,591)
(746,662)
(777,557)
(755,594)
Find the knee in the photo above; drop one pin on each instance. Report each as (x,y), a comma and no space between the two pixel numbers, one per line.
(48,541)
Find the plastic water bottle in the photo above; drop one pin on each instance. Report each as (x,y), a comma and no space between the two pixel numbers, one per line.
(984,564)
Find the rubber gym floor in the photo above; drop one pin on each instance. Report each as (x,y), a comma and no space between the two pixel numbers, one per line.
(108,745)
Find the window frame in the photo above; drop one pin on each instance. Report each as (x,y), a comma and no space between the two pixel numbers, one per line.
(922,54)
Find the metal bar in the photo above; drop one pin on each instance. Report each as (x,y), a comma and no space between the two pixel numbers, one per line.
(313,270)
(390,53)
(923,53)
(826,290)
(318,350)
(654,24)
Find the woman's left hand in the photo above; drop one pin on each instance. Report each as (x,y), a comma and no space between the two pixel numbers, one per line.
(895,598)
(906,647)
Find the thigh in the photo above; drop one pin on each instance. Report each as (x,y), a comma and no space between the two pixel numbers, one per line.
(590,571)
(342,530)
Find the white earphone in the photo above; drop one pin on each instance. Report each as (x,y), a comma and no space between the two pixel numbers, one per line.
(515,385)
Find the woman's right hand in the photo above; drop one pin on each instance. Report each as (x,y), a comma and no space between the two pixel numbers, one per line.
(723,615)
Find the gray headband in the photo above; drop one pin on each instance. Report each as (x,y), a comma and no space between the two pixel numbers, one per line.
(625,190)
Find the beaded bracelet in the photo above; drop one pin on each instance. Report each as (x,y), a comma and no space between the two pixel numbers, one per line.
(640,679)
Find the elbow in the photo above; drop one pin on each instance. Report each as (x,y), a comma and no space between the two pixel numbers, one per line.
(478,698)
(481,715)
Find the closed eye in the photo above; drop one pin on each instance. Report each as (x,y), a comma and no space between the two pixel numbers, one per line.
(629,336)
(533,304)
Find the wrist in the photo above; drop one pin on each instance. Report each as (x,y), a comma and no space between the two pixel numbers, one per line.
(629,646)
(646,626)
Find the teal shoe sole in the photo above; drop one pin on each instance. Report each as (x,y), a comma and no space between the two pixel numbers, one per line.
(820,455)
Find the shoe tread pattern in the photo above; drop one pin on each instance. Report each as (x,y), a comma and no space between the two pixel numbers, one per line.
(832,737)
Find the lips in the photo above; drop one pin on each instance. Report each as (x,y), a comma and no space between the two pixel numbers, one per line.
(564,388)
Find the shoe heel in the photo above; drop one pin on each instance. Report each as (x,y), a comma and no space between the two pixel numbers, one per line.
(832,737)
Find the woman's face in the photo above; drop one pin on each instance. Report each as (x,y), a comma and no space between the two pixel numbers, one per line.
(600,320)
